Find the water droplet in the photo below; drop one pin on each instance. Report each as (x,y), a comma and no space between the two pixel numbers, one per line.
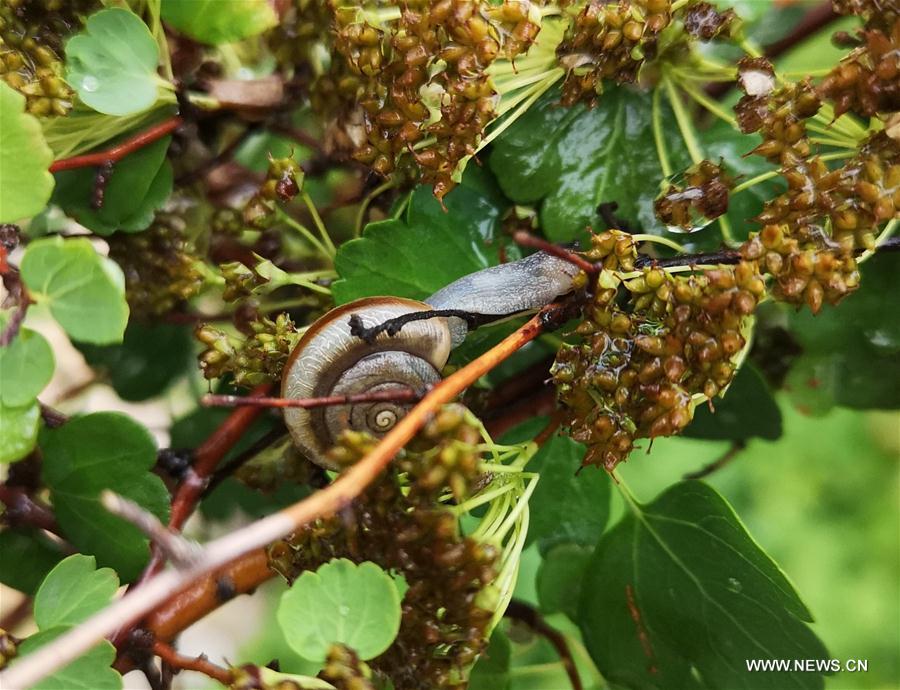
(882,340)
(90,84)
(344,610)
(734,585)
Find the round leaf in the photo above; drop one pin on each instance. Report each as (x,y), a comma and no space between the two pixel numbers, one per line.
(73,591)
(213,21)
(20,429)
(112,63)
(85,291)
(355,605)
(25,183)
(28,555)
(26,366)
(105,450)
(90,671)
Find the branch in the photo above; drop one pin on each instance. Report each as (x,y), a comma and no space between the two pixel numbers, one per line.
(199,664)
(208,456)
(119,151)
(528,240)
(527,614)
(727,456)
(325,502)
(22,509)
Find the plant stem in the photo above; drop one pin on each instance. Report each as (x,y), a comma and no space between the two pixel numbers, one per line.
(320,226)
(661,152)
(304,231)
(199,664)
(684,124)
(672,244)
(364,205)
(119,151)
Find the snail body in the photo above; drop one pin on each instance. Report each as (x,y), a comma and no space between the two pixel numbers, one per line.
(329,360)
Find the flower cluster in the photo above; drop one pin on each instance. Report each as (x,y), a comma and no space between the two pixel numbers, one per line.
(160,265)
(258,358)
(697,197)
(31,39)
(637,367)
(609,40)
(399,523)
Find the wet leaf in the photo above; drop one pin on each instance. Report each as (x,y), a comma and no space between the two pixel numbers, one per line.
(678,595)
(25,183)
(355,605)
(112,63)
(85,291)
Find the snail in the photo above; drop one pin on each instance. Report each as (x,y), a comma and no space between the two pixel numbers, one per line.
(330,360)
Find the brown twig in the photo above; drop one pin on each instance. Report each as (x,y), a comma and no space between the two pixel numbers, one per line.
(15,321)
(53,418)
(119,151)
(208,456)
(323,503)
(529,240)
(199,664)
(527,614)
(19,613)
(398,395)
(727,456)
(21,509)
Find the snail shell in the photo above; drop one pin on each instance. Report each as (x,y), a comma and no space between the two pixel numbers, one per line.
(328,360)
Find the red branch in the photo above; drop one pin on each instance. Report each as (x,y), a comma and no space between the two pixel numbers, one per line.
(21,509)
(119,151)
(185,663)
(208,456)
(527,240)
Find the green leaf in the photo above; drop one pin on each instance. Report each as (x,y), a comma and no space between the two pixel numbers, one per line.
(748,410)
(28,555)
(491,671)
(20,429)
(85,291)
(73,591)
(91,671)
(25,183)
(572,159)
(148,360)
(215,22)
(678,595)
(111,64)
(26,366)
(355,605)
(105,450)
(428,249)
(569,504)
(852,351)
(140,184)
(559,578)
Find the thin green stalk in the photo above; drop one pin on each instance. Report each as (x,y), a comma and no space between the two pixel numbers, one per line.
(661,153)
(706,102)
(320,226)
(672,244)
(284,217)
(693,146)
(536,92)
(836,143)
(882,238)
(364,205)
(684,123)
